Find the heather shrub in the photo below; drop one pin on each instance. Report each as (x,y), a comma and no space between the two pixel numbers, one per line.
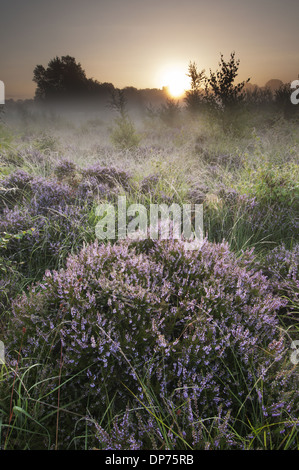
(110,176)
(281,267)
(59,213)
(65,169)
(93,182)
(12,188)
(197,330)
(149,183)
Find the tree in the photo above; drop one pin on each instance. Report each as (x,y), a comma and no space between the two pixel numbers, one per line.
(63,77)
(118,102)
(220,88)
(193,97)
(123,134)
(169,112)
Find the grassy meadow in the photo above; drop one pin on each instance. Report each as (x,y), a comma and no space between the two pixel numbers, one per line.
(140,344)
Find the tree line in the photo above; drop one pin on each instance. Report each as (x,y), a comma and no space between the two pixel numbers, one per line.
(65,80)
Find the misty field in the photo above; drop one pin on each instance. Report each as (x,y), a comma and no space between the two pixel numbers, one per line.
(141,344)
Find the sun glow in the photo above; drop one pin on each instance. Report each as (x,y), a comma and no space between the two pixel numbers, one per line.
(176,81)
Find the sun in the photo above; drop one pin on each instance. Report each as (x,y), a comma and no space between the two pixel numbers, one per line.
(174,78)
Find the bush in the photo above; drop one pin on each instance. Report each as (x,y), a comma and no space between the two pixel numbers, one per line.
(110,176)
(196,330)
(281,267)
(65,169)
(123,135)
(58,212)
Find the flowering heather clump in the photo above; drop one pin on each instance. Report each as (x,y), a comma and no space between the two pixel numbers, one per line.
(108,175)
(149,183)
(20,187)
(90,188)
(198,328)
(12,187)
(284,263)
(65,169)
(281,266)
(198,194)
(54,209)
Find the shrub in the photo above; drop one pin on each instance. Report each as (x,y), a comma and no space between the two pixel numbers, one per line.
(110,176)
(197,330)
(123,135)
(58,212)
(65,169)
(220,87)
(149,184)
(281,267)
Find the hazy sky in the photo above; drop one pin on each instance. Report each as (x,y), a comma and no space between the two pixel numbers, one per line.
(132,42)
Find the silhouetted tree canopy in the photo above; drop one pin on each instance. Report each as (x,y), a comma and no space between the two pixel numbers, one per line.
(221,88)
(193,97)
(64,78)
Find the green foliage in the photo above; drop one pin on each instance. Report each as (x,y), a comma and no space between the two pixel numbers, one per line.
(123,135)
(5,239)
(275,185)
(220,87)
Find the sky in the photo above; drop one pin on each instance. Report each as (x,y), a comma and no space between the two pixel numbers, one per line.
(141,43)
